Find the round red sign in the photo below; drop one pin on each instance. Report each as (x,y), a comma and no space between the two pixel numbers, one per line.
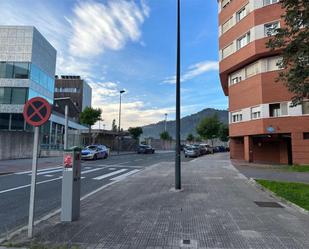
(37,111)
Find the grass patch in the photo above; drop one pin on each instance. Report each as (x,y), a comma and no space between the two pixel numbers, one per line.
(298,168)
(297,193)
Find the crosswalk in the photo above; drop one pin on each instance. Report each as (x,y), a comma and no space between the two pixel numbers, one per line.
(107,172)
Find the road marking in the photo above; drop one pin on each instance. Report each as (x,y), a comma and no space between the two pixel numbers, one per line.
(109,174)
(87,167)
(122,163)
(28,185)
(92,170)
(48,175)
(137,160)
(47,172)
(27,172)
(121,177)
(112,169)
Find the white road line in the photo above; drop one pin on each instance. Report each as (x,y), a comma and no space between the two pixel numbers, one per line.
(47,172)
(87,167)
(137,160)
(92,170)
(121,177)
(122,163)
(109,174)
(111,168)
(28,185)
(27,172)
(48,175)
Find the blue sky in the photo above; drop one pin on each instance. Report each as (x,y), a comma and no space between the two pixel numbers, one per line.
(120,44)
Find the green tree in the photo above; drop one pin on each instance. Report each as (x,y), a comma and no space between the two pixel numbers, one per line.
(198,139)
(135,132)
(89,116)
(209,127)
(114,126)
(165,136)
(293,40)
(190,138)
(224,133)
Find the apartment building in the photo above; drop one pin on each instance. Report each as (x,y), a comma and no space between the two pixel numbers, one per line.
(263,125)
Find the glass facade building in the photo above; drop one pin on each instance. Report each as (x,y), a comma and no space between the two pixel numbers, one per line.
(27,69)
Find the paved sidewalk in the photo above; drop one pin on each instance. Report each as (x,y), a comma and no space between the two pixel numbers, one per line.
(215,210)
(270,172)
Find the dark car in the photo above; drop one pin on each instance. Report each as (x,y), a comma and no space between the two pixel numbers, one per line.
(203,149)
(145,149)
(95,152)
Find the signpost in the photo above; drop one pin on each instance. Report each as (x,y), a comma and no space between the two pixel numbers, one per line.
(37,112)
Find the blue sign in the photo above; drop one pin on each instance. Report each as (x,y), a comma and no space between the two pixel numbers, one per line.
(270,129)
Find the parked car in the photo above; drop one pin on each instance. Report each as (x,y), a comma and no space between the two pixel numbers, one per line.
(209,149)
(95,152)
(145,149)
(192,151)
(203,149)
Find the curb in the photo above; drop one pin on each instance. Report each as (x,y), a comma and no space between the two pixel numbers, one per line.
(284,201)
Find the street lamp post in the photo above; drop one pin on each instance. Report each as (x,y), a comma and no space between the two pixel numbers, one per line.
(165,121)
(177,158)
(119,127)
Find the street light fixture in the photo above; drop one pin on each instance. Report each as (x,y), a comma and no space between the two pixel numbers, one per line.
(119,121)
(165,121)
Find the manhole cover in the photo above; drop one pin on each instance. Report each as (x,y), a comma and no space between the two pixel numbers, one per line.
(269,204)
(188,243)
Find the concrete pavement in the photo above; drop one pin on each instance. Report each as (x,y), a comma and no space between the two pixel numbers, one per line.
(217,209)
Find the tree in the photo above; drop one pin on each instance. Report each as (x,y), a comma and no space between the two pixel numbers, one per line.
(135,132)
(114,126)
(293,40)
(209,127)
(190,138)
(165,136)
(224,133)
(89,116)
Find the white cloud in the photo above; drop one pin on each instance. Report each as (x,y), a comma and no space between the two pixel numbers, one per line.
(194,71)
(97,26)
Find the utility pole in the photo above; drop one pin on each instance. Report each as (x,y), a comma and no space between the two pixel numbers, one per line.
(177,158)
(119,127)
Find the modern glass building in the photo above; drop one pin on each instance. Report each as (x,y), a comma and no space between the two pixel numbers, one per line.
(27,69)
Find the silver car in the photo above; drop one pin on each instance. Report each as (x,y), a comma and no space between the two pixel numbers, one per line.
(192,151)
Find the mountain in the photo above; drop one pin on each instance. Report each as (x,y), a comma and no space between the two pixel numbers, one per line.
(188,124)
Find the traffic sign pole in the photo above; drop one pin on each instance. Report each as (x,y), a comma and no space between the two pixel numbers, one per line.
(33,181)
(36,112)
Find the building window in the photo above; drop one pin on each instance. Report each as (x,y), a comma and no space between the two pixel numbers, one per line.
(243,41)
(227,25)
(4,121)
(273,63)
(19,96)
(278,109)
(5,95)
(268,2)
(256,112)
(252,69)
(306,135)
(270,29)
(225,3)
(305,107)
(227,51)
(236,117)
(241,14)
(21,70)
(6,70)
(17,122)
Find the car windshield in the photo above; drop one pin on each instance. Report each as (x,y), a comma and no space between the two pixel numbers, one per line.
(91,147)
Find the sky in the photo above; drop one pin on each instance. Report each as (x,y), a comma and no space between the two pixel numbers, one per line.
(131,45)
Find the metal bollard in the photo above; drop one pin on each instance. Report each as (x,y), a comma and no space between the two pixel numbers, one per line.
(70,198)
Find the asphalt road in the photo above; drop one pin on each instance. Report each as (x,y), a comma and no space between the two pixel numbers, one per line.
(15,188)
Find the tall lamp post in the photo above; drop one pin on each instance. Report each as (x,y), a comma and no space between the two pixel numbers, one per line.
(177,158)
(165,121)
(119,127)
